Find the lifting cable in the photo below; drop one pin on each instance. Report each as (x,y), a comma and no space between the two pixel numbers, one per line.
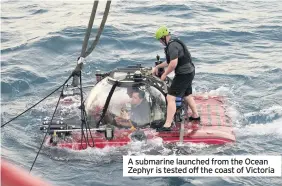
(84,54)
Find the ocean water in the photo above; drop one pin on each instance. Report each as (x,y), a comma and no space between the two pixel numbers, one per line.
(235,45)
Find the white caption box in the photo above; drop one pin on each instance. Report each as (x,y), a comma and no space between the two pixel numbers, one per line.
(202,166)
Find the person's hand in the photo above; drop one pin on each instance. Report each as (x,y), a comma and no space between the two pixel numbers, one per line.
(124,114)
(163,76)
(122,122)
(155,71)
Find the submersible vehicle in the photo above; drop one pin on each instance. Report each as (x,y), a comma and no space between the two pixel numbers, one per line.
(110,97)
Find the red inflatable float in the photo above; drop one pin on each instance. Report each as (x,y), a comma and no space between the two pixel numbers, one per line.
(14,176)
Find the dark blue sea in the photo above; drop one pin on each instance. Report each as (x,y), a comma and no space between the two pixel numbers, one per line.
(236,47)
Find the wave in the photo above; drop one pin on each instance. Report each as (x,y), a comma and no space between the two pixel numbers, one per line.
(157,9)
(264,116)
(262,129)
(19,79)
(40,11)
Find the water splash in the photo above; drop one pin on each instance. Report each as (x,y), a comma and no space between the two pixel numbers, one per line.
(261,129)
(264,116)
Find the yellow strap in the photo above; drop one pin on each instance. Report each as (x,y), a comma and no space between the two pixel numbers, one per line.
(132,128)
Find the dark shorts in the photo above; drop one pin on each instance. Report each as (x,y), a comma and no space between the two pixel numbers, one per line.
(181,85)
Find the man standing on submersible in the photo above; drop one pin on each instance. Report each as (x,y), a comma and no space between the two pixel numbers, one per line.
(178,59)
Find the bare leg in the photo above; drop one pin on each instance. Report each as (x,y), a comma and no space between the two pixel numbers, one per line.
(192,104)
(171,109)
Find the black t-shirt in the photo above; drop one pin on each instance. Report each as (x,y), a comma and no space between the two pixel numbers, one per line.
(175,50)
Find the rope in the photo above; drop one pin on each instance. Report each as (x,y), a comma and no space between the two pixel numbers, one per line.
(49,124)
(84,119)
(90,24)
(84,53)
(45,134)
(106,12)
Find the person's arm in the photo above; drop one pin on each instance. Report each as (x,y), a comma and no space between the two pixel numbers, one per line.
(155,70)
(162,65)
(172,65)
